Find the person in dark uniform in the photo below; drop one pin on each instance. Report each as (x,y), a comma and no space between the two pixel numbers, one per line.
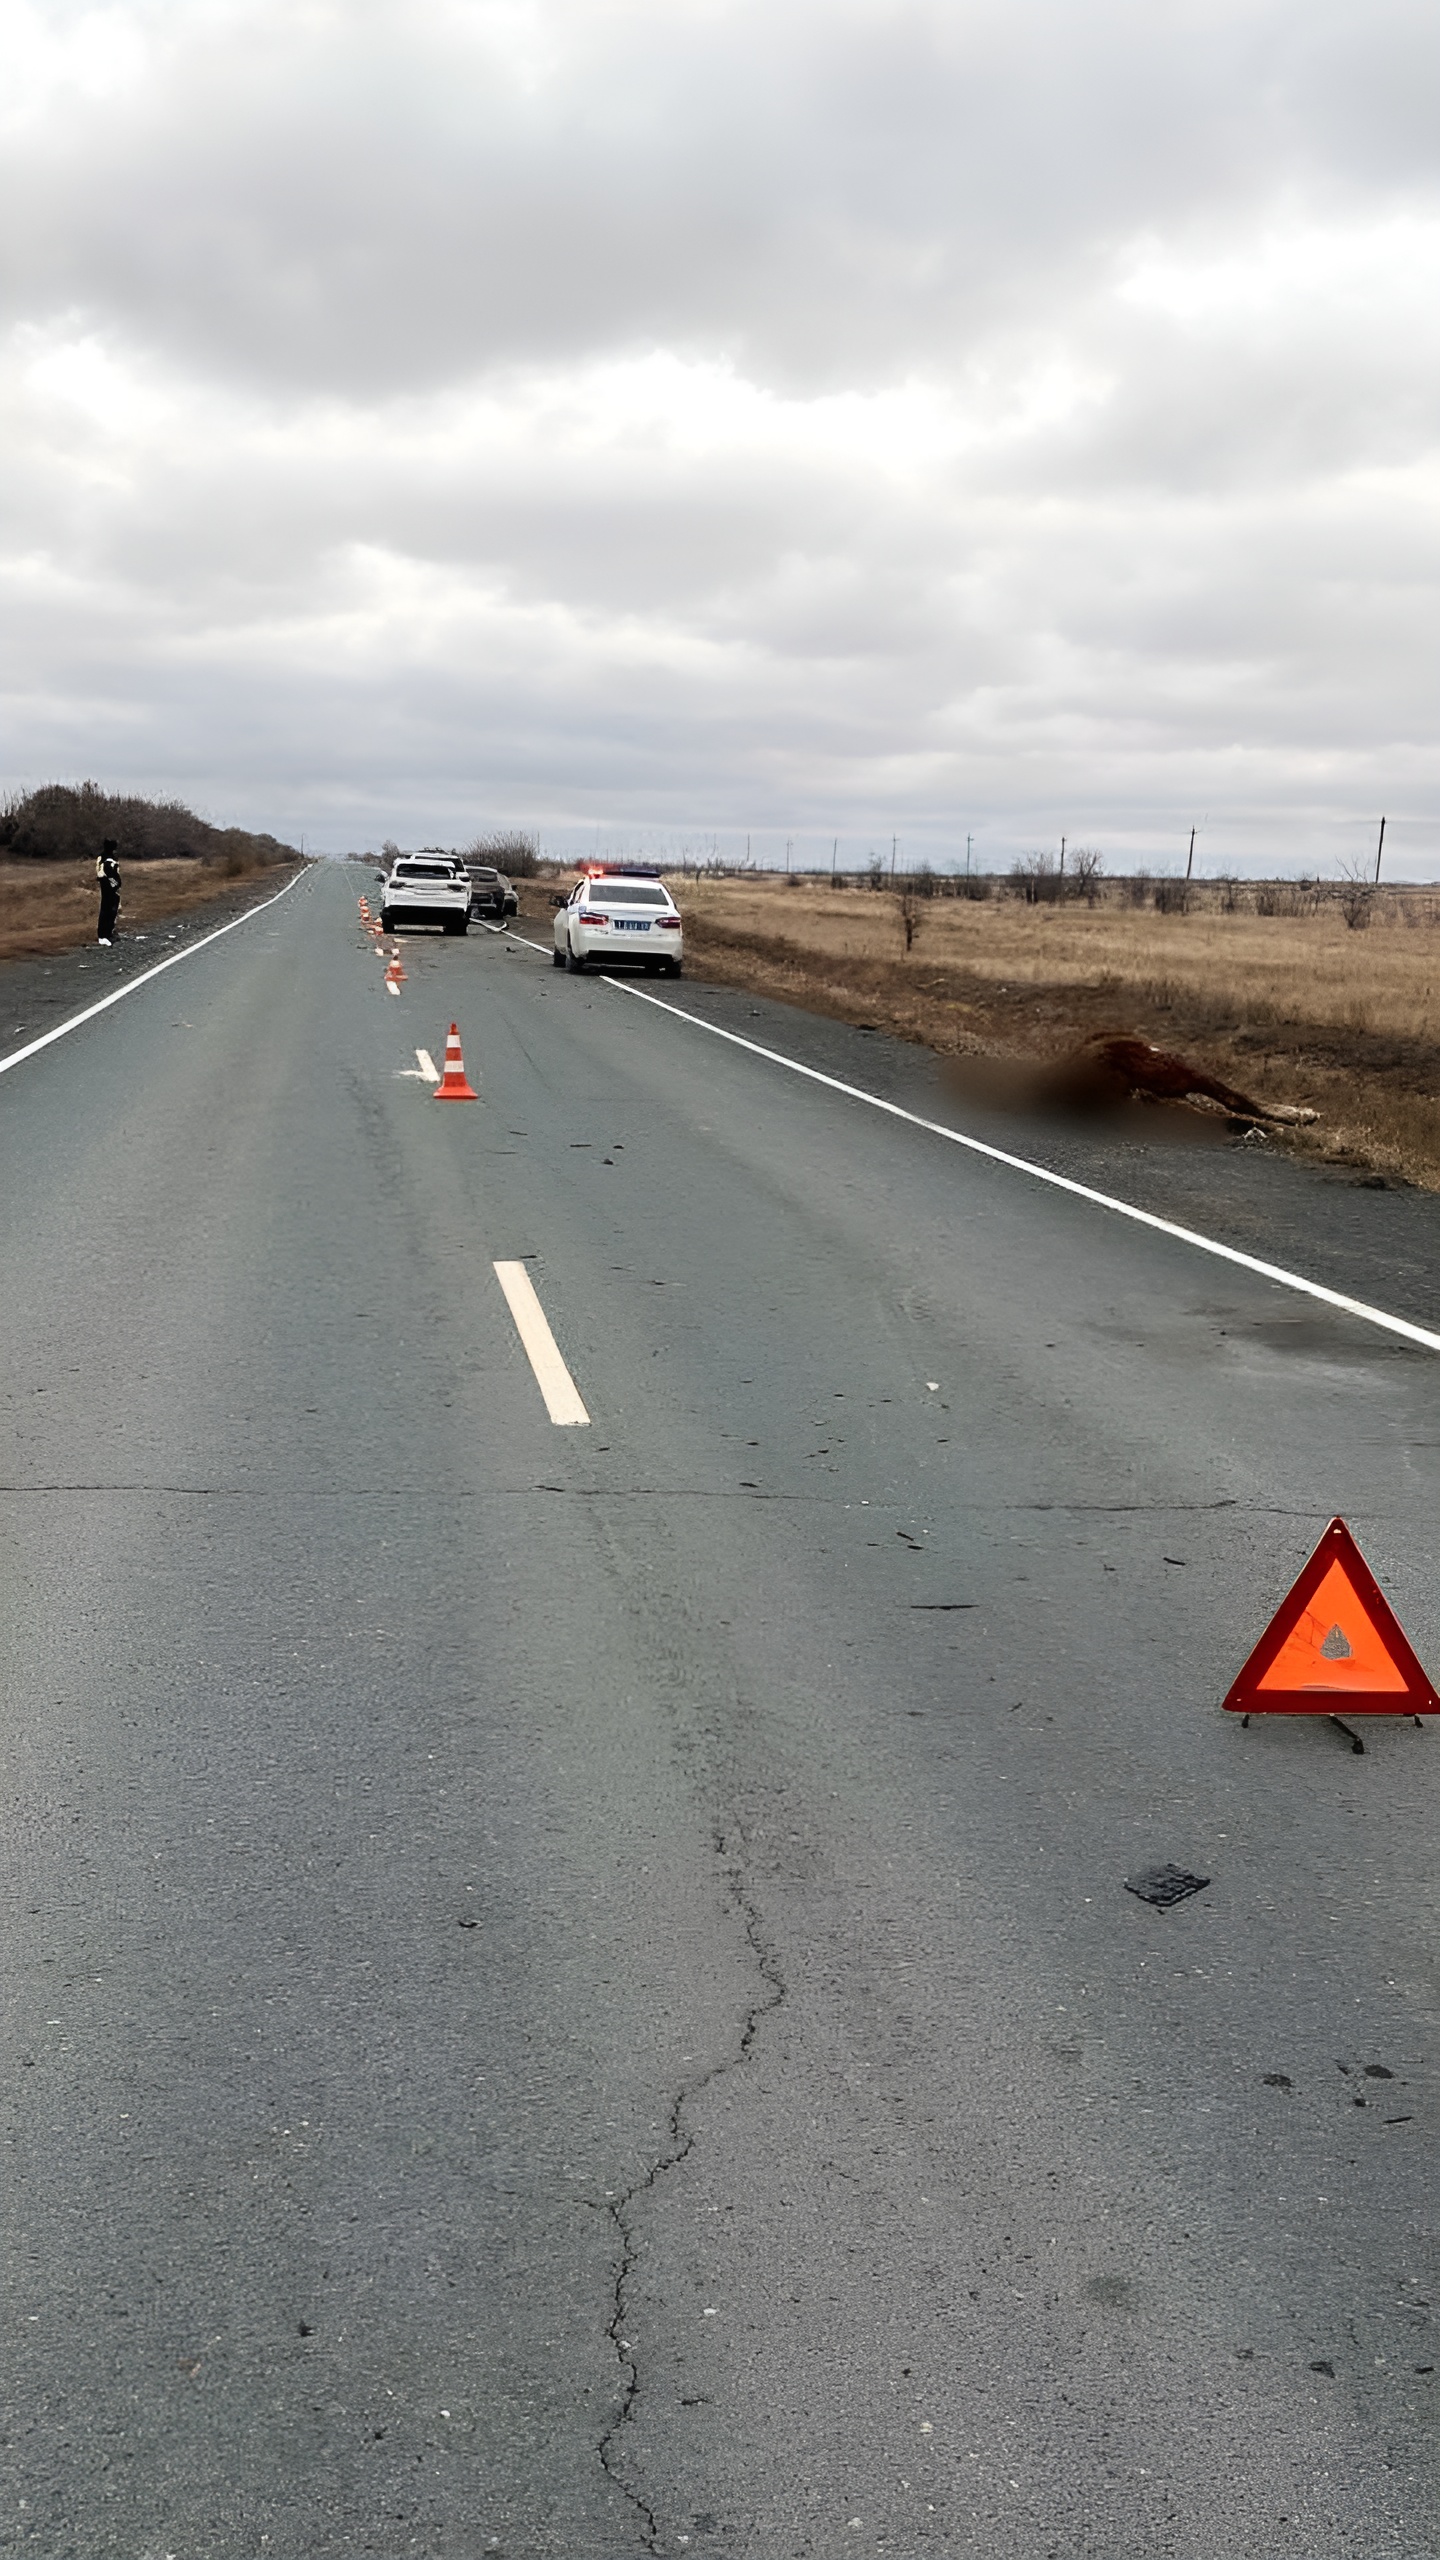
(107,872)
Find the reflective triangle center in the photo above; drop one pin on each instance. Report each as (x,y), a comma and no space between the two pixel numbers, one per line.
(1334,1644)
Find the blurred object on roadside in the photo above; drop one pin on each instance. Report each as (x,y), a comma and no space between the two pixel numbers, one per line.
(1111,1073)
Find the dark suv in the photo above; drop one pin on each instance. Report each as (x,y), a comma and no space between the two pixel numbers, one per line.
(490,892)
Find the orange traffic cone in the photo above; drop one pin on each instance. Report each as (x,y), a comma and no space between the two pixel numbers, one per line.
(395,973)
(453,1086)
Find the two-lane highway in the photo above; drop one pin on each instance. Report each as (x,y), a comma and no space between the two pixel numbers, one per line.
(570,1987)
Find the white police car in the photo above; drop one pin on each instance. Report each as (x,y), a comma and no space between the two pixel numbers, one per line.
(619,913)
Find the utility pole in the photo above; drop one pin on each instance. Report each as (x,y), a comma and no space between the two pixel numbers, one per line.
(787,852)
(1062,857)
(1379,849)
(1190,857)
(894,845)
(834,856)
(968,842)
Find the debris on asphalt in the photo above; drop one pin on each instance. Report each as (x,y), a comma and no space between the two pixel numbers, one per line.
(1165,1885)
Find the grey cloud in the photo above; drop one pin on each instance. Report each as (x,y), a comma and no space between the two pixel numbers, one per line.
(824,193)
(376,502)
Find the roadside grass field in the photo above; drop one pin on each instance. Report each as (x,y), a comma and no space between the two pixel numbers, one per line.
(48,907)
(1296,1006)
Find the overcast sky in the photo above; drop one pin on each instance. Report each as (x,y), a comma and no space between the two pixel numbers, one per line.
(848,418)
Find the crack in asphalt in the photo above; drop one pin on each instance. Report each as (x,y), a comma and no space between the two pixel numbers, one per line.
(729,1847)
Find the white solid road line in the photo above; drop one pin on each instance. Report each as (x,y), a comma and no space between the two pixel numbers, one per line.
(427,1066)
(1041,1173)
(562,1401)
(17,1057)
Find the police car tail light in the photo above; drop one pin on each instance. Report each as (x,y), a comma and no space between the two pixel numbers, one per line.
(672,921)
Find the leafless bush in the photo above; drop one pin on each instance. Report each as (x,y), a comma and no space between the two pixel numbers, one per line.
(1172,897)
(1085,876)
(512,850)
(1281,898)
(1137,889)
(1036,880)
(1357,898)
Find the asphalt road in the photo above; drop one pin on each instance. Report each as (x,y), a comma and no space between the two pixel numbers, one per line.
(571,1991)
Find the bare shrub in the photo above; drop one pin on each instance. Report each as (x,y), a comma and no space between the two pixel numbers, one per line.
(1137,889)
(1172,897)
(1086,874)
(1280,898)
(1036,880)
(1357,898)
(512,850)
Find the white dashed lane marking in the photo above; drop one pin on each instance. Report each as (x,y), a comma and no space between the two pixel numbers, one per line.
(427,1066)
(562,1400)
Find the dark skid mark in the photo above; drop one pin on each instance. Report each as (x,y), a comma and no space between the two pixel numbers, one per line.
(1164,1885)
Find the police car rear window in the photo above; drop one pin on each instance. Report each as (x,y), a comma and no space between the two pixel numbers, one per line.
(626,893)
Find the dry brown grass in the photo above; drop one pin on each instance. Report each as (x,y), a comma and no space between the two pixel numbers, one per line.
(47,907)
(1292,1008)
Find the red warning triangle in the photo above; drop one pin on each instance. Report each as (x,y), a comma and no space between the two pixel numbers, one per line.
(1333,1645)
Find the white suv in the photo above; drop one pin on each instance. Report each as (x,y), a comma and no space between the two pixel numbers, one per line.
(616,915)
(426,888)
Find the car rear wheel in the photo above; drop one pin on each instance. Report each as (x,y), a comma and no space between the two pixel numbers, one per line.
(575,966)
(457,924)
(387,921)
(557,958)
